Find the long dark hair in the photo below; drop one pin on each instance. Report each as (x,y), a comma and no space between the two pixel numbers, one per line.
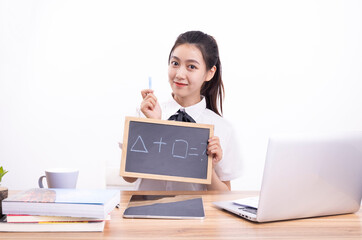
(213,90)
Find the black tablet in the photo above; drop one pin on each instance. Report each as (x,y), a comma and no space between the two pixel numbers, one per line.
(165,206)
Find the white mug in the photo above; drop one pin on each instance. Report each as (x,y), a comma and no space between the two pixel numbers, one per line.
(60,178)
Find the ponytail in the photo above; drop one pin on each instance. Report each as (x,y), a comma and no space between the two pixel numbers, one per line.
(213,91)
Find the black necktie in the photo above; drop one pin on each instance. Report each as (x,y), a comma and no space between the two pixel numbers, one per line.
(181,116)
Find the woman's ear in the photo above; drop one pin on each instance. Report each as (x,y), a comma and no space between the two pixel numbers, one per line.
(210,73)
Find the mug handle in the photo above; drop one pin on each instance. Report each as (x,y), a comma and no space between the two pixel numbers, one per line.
(40,181)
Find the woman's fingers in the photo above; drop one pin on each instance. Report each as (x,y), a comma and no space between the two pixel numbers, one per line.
(214,149)
(146,92)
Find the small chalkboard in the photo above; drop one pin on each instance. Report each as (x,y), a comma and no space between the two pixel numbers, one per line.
(166,150)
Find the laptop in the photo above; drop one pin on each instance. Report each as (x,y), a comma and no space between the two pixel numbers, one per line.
(306,176)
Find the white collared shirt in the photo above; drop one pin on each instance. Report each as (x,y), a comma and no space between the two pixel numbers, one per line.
(227,169)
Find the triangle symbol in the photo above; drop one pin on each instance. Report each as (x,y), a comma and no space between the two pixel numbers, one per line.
(139,146)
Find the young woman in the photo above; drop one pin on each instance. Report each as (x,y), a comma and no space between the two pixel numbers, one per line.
(194,74)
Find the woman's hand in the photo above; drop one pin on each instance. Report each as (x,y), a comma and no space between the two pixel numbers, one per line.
(214,149)
(149,106)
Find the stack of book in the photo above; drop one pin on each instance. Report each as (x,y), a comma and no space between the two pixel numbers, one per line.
(58,210)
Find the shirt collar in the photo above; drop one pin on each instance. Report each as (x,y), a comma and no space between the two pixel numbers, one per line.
(194,111)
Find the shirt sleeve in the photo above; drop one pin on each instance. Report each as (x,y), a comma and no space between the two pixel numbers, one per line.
(230,166)
(139,113)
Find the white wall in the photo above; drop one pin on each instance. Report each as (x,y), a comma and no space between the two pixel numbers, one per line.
(71,70)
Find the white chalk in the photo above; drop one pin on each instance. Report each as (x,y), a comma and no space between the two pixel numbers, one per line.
(149,83)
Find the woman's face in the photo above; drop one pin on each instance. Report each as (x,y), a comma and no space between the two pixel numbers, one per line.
(186,73)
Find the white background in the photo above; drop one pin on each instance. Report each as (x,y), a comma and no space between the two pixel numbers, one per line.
(71,70)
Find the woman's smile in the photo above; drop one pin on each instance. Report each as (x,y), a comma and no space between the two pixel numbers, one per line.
(180,84)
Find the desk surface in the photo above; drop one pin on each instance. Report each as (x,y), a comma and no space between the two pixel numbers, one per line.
(216,225)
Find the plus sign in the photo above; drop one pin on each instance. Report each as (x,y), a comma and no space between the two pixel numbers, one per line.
(160,144)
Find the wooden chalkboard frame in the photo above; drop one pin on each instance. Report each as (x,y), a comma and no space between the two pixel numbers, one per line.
(125,173)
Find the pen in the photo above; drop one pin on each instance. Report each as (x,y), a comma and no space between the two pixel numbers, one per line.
(149,83)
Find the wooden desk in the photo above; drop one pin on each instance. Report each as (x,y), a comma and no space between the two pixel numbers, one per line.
(216,225)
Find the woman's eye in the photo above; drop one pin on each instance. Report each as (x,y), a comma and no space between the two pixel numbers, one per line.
(174,63)
(192,66)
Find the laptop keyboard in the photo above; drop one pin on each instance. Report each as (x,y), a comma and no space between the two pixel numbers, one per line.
(249,209)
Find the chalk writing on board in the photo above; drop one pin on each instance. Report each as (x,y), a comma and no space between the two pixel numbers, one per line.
(160,144)
(194,154)
(180,148)
(180,144)
(139,146)
(205,149)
